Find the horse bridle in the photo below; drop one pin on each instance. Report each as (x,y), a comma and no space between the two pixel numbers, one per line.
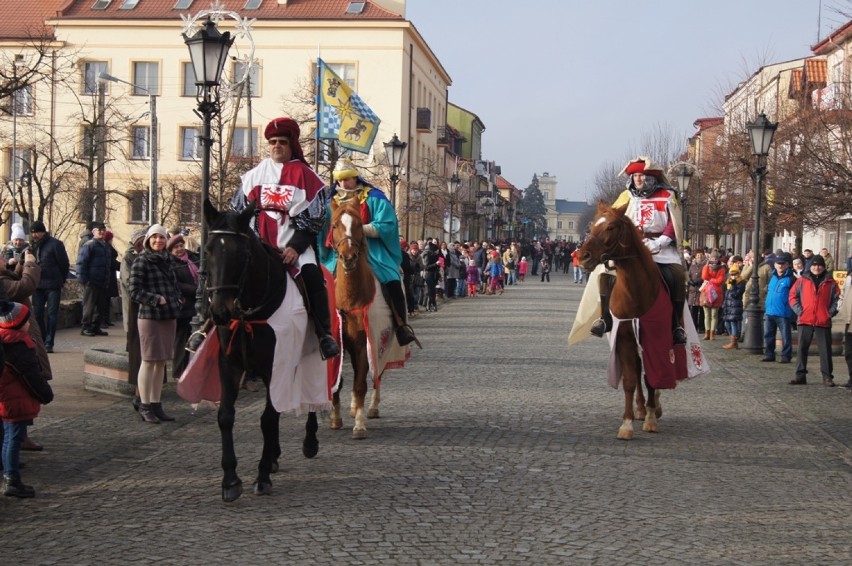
(608,254)
(353,242)
(239,285)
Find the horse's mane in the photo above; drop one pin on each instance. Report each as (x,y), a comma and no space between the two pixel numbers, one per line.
(618,216)
(229,219)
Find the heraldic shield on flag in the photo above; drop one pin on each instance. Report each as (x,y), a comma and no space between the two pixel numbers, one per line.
(341,114)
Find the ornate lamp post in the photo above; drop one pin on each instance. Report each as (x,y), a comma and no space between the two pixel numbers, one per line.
(208,50)
(684,176)
(760,132)
(395,149)
(453,188)
(153,142)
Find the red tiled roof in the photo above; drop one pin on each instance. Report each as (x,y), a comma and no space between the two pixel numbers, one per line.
(268,10)
(830,43)
(503,183)
(815,73)
(795,83)
(25,20)
(703,123)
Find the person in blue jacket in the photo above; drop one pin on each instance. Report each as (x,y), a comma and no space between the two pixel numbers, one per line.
(381,229)
(778,311)
(94,270)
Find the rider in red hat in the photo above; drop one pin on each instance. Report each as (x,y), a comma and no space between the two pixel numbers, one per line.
(653,206)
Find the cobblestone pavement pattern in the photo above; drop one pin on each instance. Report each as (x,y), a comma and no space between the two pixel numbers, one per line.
(496,446)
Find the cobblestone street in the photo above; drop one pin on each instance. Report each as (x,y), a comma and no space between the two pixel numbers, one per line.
(497,445)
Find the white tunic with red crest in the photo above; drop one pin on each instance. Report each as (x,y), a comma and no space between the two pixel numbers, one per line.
(282,191)
(655,216)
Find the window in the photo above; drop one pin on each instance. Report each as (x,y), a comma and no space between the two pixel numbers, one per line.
(190,144)
(355,7)
(183,4)
(22,101)
(146,78)
(140,142)
(240,144)
(138,206)
(128,4)
(19,162)
(570,224)
(189,88)
(91,70)
(101,4)
(190,208)
(252,4)
(559,225)
(253,84)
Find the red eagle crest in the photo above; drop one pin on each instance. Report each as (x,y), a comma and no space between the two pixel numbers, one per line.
(695,352)
(276,197)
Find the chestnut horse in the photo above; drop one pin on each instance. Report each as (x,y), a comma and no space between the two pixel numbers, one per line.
(355,289)
(614,240)
(247,283)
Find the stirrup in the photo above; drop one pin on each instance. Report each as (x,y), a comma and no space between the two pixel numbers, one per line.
(405,335)
(195,340)
(679,335)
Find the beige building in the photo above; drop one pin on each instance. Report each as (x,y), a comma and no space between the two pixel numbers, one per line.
(56,129)
(563,216)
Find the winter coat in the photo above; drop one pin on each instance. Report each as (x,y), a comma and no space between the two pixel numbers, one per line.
(152,276)
(23,387)
(53,260)
(19,286)
(778,294)
(713,278)
(694,282)
(814,302)
(94,263)
(845,307)
(733,302)
(188,288)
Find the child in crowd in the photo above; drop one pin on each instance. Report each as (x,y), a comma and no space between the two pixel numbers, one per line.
(23,389)
(522,268)
(472,279)
(733,303)
(495,271)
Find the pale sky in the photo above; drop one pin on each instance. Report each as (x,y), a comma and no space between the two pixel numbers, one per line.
(567,86)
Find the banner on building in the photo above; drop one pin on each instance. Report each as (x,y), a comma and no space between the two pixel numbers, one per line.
(341,114)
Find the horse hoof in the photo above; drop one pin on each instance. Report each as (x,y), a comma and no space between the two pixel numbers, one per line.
(373,414)
(359,434)
(336,424)
(262,488)
(274,468)
(650,427)
(625,435)
(310,448)
(232,493)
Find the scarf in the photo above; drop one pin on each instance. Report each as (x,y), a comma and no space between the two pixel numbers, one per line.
(193,269)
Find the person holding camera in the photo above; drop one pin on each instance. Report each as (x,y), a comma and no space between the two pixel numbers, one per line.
(14,250)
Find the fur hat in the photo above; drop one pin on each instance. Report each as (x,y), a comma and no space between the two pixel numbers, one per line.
(13,316)
(18,232)
(155,229)
(344,169)
(175,240)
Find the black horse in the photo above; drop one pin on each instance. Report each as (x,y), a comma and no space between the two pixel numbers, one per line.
(246,283)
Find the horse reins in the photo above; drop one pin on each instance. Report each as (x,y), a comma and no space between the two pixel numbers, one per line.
(607,255)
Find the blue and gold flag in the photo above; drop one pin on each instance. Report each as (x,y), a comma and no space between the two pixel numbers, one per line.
(341,114)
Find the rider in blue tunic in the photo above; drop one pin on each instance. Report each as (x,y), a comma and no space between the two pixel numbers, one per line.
(381,228)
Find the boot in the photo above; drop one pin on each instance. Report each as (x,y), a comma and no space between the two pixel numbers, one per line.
(603,324)
(678,333)
(733,344)
(147,414)
(14,487)
(157,409)
(712,335)
(312,285)
(707,335)
(396,300)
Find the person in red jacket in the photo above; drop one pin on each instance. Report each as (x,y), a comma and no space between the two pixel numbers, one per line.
(814,297)
(23,390)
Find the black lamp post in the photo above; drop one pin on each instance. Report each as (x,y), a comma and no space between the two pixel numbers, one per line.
(760,132)
(453,188)
(208,50)
(684,176)
(395,149)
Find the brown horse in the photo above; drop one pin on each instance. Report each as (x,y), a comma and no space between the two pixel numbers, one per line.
(614,240)
(355,289)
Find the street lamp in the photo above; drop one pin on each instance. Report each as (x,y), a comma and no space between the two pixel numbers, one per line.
(684,176)
(452,187)
(395,150)
(208,50)
(153,143)
(760,132)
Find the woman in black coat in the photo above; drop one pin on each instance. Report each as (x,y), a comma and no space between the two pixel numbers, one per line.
(186,272)
(429,260)
(153,284)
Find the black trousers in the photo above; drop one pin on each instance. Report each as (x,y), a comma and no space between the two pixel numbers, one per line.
(95,304)
(822,336)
